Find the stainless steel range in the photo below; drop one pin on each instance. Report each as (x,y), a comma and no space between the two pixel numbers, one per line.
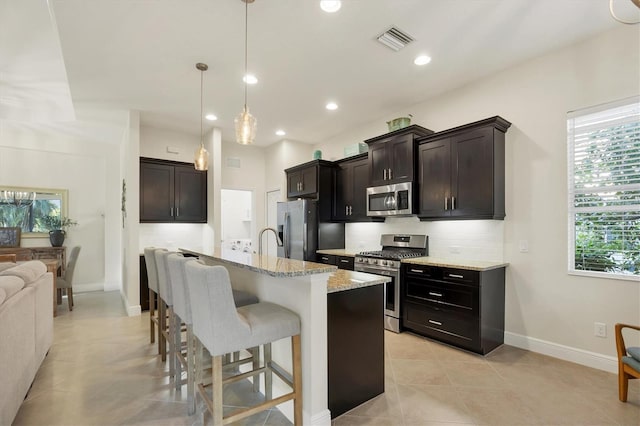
(387,262)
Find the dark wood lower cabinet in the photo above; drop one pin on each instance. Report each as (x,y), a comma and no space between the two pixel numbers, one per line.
(456,306)
(144,285)
(355,340)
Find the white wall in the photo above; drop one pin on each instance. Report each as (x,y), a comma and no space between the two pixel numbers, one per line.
(546,308)
(59,156)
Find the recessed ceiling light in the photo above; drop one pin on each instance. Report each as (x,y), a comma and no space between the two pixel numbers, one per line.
(250,79)
(211,117)
(422,60)
(280,132)
(331,106)
(330,6)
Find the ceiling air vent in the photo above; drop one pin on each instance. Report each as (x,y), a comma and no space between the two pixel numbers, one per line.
(394,39)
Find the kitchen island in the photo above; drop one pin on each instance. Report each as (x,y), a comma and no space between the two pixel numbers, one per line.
(320,294)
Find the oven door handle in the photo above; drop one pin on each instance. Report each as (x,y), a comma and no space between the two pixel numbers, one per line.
(391,273)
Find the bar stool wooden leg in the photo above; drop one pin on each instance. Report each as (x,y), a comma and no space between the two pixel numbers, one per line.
(268,374)
(216,380)
(191,403)
(162,327)
(297,379)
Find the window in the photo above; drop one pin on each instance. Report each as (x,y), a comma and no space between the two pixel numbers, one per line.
(604,190)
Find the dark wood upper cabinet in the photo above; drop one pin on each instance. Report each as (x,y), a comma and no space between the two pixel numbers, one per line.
(313,180)
(461,172)
(172,192)
(350,194)
(392,156)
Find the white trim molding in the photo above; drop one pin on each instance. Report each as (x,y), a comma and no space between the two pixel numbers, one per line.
(567,353)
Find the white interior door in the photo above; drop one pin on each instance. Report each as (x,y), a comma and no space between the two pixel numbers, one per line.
(272,221)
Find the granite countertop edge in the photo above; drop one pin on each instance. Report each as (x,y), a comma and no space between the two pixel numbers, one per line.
(472,265)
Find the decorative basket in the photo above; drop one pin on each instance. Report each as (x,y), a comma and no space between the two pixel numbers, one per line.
(399,123)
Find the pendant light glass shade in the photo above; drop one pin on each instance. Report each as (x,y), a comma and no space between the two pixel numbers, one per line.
(201,160)
(246,126)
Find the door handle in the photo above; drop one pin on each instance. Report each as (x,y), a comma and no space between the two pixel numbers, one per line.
(390,174)
(385,174)
(453,203)
(177,211)
(171,213)
(446,203)
(350,210)
(286,241)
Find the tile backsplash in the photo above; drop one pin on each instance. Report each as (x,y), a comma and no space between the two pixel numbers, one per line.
(464,239)
(170,235)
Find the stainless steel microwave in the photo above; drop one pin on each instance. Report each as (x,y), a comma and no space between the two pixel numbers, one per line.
(390,200)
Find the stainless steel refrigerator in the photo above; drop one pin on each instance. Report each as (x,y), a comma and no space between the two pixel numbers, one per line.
(301,232)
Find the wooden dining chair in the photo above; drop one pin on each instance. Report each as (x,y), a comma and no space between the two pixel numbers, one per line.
(628,361)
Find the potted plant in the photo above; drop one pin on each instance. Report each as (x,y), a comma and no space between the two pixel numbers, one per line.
(57,226)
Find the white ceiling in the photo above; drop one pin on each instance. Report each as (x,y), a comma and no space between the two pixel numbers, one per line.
(141,55)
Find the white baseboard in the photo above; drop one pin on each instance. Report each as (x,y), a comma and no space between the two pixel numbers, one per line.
(323,418)
(567,353)
(132,310)
(111,286)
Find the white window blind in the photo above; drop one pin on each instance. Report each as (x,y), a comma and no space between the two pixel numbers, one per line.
(604,189)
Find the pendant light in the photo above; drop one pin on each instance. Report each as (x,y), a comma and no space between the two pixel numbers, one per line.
(246,124)
(201,161)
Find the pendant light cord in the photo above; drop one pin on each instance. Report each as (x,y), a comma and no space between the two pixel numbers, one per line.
(246,48)
(201,106)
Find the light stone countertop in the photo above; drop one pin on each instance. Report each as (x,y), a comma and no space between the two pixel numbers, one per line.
(472,265)
(339,280)
(343,279)
(262,264)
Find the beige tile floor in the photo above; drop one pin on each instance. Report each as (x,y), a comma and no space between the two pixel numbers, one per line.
(101,370)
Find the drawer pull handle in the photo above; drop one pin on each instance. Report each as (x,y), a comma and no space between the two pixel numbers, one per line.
(344,261)
(435,322)
(431,293)
(419,271)
(325,258)
(456,276)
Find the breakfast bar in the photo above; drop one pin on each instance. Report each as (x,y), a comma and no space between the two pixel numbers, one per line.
(305,288)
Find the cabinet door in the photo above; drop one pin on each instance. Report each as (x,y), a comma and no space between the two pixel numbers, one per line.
(156,192)
(434,163)
(378,164)
(293,184)
(472,173)
(342,191)
(360,179)
(309,181)
(400,159)
(190,195)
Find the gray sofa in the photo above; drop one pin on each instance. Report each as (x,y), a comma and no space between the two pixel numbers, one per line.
(26,330)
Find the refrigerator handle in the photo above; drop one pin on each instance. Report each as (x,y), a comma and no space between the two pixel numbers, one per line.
(285,240)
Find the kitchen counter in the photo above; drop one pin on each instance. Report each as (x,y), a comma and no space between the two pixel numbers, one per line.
(329,315)
(263,264)
(472,265)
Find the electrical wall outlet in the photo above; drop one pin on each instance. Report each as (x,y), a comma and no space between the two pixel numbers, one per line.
(600,329)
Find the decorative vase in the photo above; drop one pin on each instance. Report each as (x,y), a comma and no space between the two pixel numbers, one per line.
(57,237)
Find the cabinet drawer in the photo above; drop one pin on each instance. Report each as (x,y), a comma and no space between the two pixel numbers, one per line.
(449,296)
(345,262)
(441,325)
(420,271)
(463,276)
(329,259)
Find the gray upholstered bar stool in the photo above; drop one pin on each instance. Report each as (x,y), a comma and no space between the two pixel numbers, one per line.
(222,328)
(152,276)
(182,310)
